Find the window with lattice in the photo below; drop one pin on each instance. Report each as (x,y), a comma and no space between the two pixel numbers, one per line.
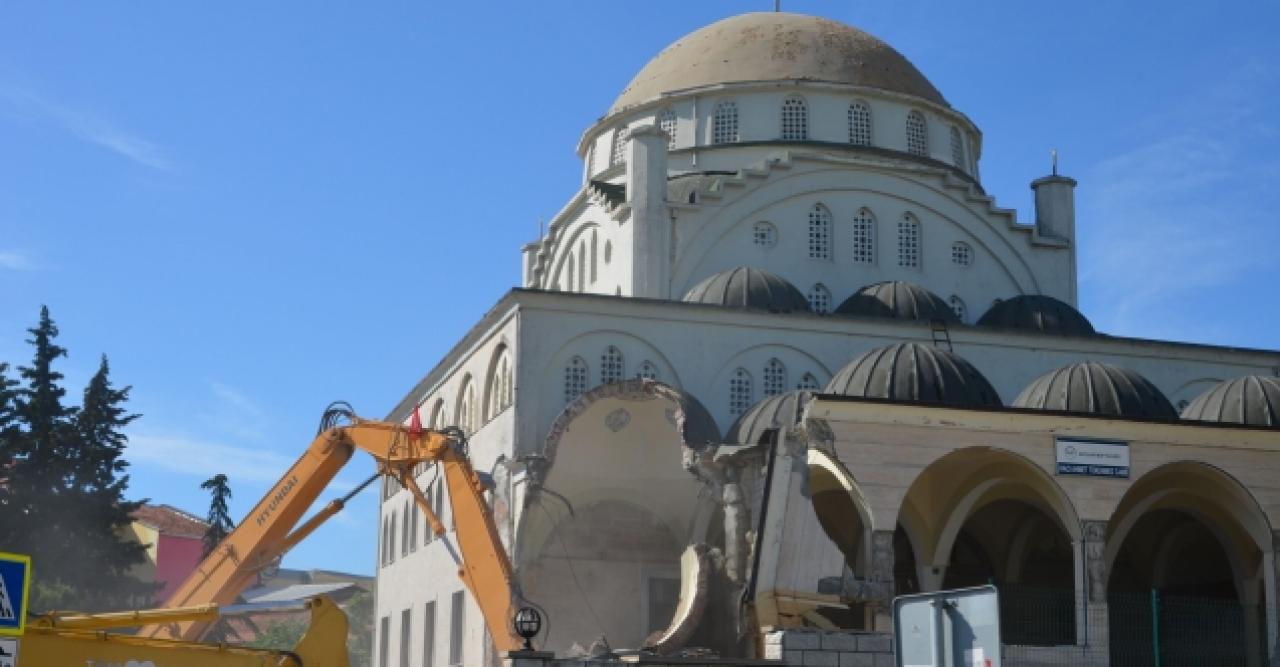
(864,237)
(764,234)
(820,299)
(740,392)
(667,123)
(795,119)
(724,123)
(611,366)
(808,382)
(647,371)
(957,147)
(819,232)
(775,378)
(499,390)
(618,155)
(908,241)
(860,123)
(467,417)
(575,379)
(917,134)
(437,420)
(958,307)
(591,159)
(961,253)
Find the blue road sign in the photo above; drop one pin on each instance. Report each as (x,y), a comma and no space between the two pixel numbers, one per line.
(15,586)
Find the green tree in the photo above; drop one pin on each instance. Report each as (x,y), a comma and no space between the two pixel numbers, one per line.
(63,499)
(359,611)
(281,635)
(219,519)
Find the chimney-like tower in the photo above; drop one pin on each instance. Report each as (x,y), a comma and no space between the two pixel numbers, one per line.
(646,158)
(1056,206)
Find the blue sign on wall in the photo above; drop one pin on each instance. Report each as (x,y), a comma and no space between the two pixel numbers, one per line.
(15,585)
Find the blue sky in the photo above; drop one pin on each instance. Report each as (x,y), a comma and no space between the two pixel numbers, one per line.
(254,209)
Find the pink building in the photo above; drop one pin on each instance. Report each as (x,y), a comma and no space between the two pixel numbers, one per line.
(174,545)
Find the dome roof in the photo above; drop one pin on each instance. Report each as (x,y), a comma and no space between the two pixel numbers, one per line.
(1037,312)
(746,287)
(776,46)
(1253,400)
(773,412)
(897,299)
(1100,389)
(914,372)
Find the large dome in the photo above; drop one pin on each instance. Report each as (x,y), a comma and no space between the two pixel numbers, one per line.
(775,46)
(1253,400)
(1100,389)
(774,412)
(745,287)
(914,372)
(899,300)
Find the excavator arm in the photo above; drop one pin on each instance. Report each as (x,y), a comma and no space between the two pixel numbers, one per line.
(268,531)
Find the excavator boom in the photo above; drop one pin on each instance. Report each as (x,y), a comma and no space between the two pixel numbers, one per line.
(269,529)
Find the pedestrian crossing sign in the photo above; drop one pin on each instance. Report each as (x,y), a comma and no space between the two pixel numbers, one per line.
(15,586)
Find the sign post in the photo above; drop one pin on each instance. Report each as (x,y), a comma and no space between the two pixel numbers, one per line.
(959,628)
(1095,458)
(15,587)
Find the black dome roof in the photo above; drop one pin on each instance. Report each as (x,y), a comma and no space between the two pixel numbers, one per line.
(746,287)
(1037,312)
(1100,389)
(1253,400)
(773,412)
(914,372)
(897,299)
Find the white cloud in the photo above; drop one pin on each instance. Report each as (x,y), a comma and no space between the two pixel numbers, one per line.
(91,128)
(15,261)
(202,458)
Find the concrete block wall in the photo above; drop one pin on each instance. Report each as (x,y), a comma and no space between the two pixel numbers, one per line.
(802,648)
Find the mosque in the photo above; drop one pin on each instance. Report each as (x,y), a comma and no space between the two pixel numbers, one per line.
(782,341)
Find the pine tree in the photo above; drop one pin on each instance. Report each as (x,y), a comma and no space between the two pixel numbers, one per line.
(9,452)
(219,519)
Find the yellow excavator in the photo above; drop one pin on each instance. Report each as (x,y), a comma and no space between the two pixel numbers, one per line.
(169,636)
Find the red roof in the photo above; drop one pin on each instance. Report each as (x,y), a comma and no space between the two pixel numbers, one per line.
(169,520)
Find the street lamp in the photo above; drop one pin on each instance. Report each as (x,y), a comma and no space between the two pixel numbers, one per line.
(528,622)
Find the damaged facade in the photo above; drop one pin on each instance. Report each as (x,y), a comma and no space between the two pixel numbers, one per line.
(782,341)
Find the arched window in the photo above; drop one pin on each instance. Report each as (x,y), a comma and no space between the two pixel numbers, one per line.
(568,268)
(795,119)
(740,392)
(437,420)
(961,253)
(808,382)
(582,265)
(385,534)
(820,299)
(908,241)
(667,123)
(957,147)
(575,379)
(819,232)
(724,123)
(775,378)
(917,134)
(391,539)
(498,393)
(467,416)
(864,237)
(647,371)
(860,123)
(958,307)
(611,365)
(619,145)
(595,244)
(413,525)
(764,234)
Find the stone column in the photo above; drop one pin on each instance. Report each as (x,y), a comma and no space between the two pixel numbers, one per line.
(1097,626)
(1271,597)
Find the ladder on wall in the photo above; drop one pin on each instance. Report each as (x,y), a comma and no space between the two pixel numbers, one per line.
(941,334)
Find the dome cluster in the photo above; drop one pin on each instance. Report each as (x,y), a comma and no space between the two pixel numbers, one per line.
(757,289)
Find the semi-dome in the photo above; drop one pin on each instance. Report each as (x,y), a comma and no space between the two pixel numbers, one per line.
(1095,388)
(899,300)
(776,46)
(1253,400)
(773,412)
(1037,312)
(746,287)
(914,372)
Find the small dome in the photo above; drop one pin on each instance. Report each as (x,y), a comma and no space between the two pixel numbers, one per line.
(1252,400)
(774,412)
(1094,388)
(914,372)
(1037,312)
(745,287)
(776,46)
(899,300)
